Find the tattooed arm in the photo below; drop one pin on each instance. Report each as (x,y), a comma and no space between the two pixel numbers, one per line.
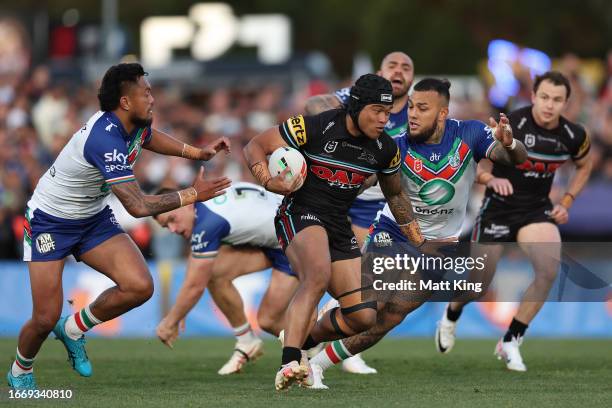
(401,207)
(140,205)
(163,143)
(255,154)
(321,103)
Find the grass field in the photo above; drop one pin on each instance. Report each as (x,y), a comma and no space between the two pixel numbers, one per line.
(411,374)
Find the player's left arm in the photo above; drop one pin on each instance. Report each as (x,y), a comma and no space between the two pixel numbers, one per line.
(505,149)
(583,163)
(399,203)
(163,143)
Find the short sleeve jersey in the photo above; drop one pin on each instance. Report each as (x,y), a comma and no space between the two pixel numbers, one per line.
(338,162)
(396,127)
(547,150)
(97,156)
(244,215)
(439,177)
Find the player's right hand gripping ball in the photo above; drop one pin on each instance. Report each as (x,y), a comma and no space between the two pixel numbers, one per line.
(284,157)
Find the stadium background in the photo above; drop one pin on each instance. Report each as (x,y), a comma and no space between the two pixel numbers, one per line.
(52,56)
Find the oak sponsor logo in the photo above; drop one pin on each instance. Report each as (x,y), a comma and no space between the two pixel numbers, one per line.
(338,178)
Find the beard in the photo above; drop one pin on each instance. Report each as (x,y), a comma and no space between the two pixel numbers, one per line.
(425,135)
(141,123)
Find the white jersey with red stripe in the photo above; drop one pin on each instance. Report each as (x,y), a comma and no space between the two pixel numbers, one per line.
(97,156)
(438,177)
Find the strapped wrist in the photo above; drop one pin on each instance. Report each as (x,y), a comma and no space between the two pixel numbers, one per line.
(187,196)
(412,231)
(512,145)
(191,152)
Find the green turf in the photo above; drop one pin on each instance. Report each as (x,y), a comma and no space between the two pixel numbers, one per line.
(411,374)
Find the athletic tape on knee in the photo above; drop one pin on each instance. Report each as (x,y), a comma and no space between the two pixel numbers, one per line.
(334,322)
(357,307)
(354,291)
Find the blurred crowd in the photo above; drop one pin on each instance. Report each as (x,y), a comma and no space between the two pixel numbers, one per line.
(38,115)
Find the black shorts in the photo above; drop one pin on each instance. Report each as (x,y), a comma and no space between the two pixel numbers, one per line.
(291,218)
(499,222)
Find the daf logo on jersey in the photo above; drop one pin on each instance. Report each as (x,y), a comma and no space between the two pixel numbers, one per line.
(386,98)
(330,147)
(437,192)
(382,239)
(116,157)
(338,178)
(45,243)
(530,140)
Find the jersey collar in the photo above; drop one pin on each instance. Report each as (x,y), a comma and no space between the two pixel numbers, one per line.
(115,121)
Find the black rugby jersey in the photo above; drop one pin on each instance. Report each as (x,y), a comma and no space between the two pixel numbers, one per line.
(338,163)
(547,150)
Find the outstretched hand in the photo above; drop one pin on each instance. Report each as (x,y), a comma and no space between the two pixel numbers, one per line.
(502,131)
(208,152)
(207,189)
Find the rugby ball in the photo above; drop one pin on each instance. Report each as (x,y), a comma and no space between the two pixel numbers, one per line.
(284,157)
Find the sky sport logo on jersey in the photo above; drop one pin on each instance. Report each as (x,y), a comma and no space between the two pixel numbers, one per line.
(45,243)
(118,159)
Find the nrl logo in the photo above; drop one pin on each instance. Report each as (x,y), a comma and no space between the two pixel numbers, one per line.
(418,165)
(529,140)
(330,147)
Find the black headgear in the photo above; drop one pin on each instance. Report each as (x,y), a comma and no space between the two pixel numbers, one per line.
(368,89)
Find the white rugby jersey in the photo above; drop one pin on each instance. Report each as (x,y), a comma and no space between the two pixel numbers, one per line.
(244,215)
(97,156)
(438,177)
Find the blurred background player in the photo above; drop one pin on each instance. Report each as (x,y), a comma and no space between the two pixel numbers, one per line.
(312,222)
(231,236)
(68,215)
(398,68)
(439,152)
(517,207)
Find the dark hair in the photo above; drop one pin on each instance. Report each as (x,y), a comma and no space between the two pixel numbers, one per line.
(115,82)
(441,86)
(556,78)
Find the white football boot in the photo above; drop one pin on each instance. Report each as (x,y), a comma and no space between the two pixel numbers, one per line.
(243,353)
(509,352)
(445,333)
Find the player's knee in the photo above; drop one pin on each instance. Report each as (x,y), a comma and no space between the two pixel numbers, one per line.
(45,322)
(142,289)
(360,320)
(316,279)
(266,322)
